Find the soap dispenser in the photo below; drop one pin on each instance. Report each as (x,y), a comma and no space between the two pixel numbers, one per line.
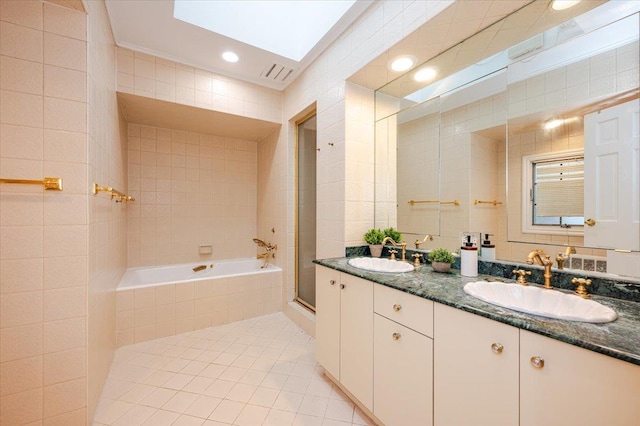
(469,257)
(488,251)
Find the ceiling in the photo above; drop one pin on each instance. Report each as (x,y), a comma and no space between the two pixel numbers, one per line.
(150,27)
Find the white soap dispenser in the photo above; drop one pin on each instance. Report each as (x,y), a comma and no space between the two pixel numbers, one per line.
(469,257)
(488,251)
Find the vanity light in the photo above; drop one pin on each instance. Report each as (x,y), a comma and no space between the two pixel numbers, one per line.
(402,63)
(552,124)
(230,57)
(563,4)
(425,74)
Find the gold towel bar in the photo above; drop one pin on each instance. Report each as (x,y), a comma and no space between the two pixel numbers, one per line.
(454,202)
(50,183)
(494,202)
(114,193)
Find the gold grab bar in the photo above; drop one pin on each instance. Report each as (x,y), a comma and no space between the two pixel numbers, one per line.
(114,193)
(454,202)
(50,183)
(494,202)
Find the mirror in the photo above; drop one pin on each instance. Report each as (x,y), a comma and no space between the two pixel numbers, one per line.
(494,94)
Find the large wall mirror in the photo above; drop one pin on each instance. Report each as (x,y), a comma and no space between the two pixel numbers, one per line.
(528,132)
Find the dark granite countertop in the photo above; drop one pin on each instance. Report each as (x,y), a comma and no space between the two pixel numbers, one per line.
(619,339)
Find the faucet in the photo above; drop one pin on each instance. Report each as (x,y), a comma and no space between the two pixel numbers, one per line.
(269,254)
(418,242)
(542,259)
(562,257)
(402,244)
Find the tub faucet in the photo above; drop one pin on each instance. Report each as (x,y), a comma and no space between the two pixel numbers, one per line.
(428,237)
(402,244)
(199,268)
(542,259)
(562,257)
(269,254)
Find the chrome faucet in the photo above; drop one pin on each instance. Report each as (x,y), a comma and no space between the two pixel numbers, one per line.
(418,242)
(542,259)
(562,257)
(402,244)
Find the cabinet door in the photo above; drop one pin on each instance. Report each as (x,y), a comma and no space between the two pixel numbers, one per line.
(328,319)
(575,386)
(475,382)
(356,338)
(403,374)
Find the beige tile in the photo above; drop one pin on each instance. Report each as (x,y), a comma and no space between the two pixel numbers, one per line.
(21,210)
(165,294)
(21,342)
(19,75)
(21,242)
(64,335)
(166,312)
(20,375)
(63,397)
(62,272)
(20,42)
(203,289)
(184,324)
(64,366)
(21,142)
(144,316)
(18,309)
(21,109)
(145,333)
(64,83)
(27,13)
(65,52)
(72,418)
(185,309)
(124,338)
(65,22)
(21,408)
(66,115)
(145,297)
(166,328)
(184,292)
(21,275)
(65,303)
(125,320)
(125,300)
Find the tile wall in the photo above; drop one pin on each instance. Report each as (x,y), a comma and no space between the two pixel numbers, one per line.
(149,313)
(191,189)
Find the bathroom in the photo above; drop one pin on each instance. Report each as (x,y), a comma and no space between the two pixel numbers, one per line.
(76,106)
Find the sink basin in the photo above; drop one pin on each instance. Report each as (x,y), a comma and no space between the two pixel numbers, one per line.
(380,265)
(538,301)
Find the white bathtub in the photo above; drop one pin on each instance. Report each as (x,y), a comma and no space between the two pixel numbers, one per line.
(173,274)
(167,300)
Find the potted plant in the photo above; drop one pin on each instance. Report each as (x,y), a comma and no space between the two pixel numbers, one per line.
(441,259)
(374,238)
(395,235)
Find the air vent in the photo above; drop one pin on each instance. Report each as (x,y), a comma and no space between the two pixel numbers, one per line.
(527,46)
(276,72)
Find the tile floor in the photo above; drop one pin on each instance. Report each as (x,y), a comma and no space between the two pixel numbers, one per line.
(260,371)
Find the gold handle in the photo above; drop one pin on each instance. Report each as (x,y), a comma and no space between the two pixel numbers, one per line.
(537,362)
(397,307)
(396,336)
(332,282)
(497,348)
(342,286)
(590,222)
(49,183)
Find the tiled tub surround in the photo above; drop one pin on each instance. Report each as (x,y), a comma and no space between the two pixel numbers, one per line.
(602,284)
(152,311)
(619,339)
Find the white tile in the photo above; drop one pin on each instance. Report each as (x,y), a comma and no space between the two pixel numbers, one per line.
(213,371)
(279,418)
(253,377)
(159,397)
(241,392)
(313,405)
(162,418)
(227,411)
(288,401)
(219,388)
(306,420)
(178,381)
(180,402)
(136,416)
(198,385)
(251,415)
(203,406)
(339,410)
(186,420)
(264,397)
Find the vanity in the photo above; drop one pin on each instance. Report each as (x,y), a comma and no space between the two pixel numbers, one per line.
(414,349)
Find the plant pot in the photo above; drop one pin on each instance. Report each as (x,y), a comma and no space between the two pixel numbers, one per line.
(441,266)
(375,249)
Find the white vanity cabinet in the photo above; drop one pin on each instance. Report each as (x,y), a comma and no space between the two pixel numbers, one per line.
(575,386)
(402,358)
(344,331)
(475,370)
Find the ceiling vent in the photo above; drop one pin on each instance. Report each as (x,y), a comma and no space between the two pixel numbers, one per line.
(276,72)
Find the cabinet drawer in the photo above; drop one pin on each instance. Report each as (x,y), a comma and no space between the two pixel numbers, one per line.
(411,311)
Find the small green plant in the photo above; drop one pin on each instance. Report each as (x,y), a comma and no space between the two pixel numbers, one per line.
(374,236)
(441,255)
(395,235)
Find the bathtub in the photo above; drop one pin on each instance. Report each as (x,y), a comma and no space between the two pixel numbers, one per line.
(163,301)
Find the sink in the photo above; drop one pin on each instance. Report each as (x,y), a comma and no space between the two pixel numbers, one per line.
(380,265)
(538,301)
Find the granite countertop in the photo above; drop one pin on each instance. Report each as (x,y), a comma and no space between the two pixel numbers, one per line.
(619,339)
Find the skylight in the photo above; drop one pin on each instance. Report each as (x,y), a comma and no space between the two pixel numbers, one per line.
(287,28)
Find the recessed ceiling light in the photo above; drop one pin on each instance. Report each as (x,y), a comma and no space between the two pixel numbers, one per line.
(230,57)
(425,74)
(563,4)
(402,63)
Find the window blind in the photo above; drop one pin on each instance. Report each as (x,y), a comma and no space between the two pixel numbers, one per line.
(559,188)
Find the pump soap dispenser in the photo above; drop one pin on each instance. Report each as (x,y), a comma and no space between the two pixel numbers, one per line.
(488,251)
(469,257)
